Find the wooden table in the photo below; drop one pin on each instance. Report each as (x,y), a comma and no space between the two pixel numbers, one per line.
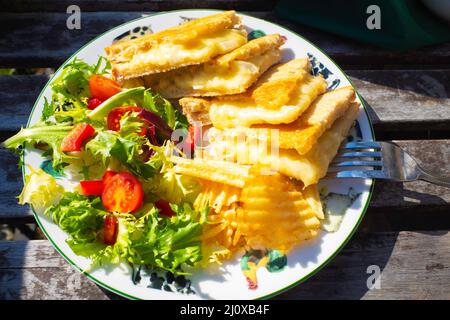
(406,228)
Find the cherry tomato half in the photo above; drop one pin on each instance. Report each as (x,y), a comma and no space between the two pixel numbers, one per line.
(103,88)
(79,134)
(122,193)
(116,114)
(92,187)
(110,229)
(107,176)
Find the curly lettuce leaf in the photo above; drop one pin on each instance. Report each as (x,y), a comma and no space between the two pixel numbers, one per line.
(155,241)
(80,216)
(177,188)
(70,91)
(51,135)
(162,107)
(40,190)
(71,88)
(128,150)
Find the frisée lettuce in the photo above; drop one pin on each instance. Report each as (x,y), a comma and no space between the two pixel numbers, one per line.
(120,147)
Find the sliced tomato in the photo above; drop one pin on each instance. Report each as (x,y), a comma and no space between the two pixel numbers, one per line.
(116,114)
(110,229)
(122,193)
(94,103)
(79,134)
(92,187)
(103,88)
(107,176)
(164,208)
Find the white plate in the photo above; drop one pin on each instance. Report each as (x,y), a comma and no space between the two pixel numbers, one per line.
(302,263)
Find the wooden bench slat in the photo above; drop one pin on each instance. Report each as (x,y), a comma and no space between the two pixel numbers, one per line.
(413,265)
(398,100)
(405,99)
(394,206)
(134,5)
(43,40)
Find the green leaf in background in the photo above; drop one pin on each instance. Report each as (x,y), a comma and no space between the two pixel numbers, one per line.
(7,72)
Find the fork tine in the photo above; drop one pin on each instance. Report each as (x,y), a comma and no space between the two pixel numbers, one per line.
(367,154)
(362,145)
(356,163)
(370,174)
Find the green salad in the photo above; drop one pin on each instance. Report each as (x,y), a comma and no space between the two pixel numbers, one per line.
(129,205)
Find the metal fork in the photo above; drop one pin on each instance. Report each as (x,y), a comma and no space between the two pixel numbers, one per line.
(379,160)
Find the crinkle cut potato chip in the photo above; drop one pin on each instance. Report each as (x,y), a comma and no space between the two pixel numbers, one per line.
(216,195)
(221,227)
(274,212)
(231,174)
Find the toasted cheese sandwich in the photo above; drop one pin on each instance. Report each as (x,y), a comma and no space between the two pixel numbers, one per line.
(193,42)
(231,73)
(308,167)
(281,95)
(303,133)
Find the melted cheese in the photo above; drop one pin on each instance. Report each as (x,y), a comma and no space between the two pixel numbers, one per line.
(210,79)
(169,55)
(228,113)
(303,133)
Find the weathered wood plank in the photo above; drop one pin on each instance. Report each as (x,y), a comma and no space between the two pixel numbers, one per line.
(398,100)
(405,100)
(414,265)
(395,206)
(17,97)
(134,5)
(50,42)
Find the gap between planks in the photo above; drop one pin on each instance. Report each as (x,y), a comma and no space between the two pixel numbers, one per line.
(135,5)
(52,42)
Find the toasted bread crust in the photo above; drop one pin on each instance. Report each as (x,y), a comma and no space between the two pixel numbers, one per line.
(275,87)
(126,56)
(253,48)
(181,33)
(190,80)
(273,91)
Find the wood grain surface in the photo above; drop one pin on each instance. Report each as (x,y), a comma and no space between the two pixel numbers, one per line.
(50,42)
(134,5)
(413,265)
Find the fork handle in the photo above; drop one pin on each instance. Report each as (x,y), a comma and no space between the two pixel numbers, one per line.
(441,181)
